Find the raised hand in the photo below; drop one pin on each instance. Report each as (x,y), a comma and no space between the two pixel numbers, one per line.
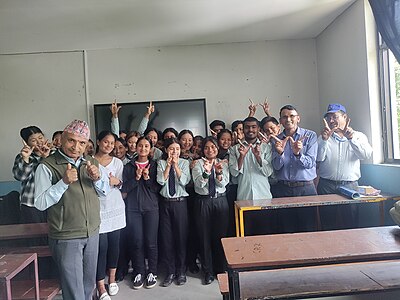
(347,130)
(243,149)
(219,167)
(43,150)
(146,172)
(150,109)
(114,181)
(265,106)
(264,138)
(280,144)
(252,108)
(70,175)
(26,151)
(207,165)
(327,131)
(92,171)
(213,133)
(256,150)
(139,173)
(115,109)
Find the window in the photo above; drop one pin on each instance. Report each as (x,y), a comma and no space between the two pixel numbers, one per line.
(390,95)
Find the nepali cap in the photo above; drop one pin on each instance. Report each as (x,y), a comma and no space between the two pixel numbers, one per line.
(79,128)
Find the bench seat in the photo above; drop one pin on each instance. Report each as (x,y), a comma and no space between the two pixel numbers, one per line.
(23,289)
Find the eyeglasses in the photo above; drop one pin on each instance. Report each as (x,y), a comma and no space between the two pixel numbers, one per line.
(292,117)
(333,117)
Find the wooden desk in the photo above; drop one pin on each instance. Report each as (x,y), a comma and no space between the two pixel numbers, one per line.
(11,265)
(282,251)
(22,231)
(242,206)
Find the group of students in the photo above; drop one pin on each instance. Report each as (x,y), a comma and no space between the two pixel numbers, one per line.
(169,197)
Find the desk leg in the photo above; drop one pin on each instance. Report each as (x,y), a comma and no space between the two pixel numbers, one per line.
(234,287)
(241,222)
(319,226)
(382,212)
(237,220)
(35,264)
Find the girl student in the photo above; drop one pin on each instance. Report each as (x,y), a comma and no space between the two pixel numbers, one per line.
(131,140)
(34,149)
(210,177)
(141,192)
(154,136)
(120,150)
(173,174)
(112,216)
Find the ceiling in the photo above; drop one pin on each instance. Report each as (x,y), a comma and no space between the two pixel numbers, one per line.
(63,25)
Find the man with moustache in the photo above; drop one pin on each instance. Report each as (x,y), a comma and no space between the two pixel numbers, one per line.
(67,186)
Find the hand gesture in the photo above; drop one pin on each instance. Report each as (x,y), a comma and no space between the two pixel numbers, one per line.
(139,173)
(218,167)
(243,149)
(43,150)
(70,175)
(92,171)
(213,133)
(114,181)
(264,138)
(169,160)
(115,109)
(256,150)
(146,172)
(252,108)
(207,165)
(150,109)
(347,130)
(279,144)
(327,131)
(26,151)
(265,106)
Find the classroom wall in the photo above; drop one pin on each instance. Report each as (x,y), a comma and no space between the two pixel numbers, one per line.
(226,75)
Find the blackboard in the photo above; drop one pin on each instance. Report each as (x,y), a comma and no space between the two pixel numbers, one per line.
(179,114)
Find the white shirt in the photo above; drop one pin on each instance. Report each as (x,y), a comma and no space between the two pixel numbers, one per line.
(339,158)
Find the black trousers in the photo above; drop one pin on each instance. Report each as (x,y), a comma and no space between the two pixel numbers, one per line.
(174,235)
(212,225)
(143,231)
(193,247)
(108,253)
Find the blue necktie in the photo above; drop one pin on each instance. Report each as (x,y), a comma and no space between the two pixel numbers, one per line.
(171,182)
(211,184)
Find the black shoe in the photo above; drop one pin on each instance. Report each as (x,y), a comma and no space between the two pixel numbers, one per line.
(168,280)
(208,278)
(119,277)
(194,268)
(181,280)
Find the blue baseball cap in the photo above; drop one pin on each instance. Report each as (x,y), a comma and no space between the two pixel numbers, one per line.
(335,107)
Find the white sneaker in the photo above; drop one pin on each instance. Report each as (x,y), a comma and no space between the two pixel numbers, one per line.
(105,296)
(113,289)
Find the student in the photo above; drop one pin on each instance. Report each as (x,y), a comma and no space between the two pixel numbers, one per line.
(173,174)
(120,150)
(250,162)
(131,140)
(141,192)
(67,185)
(186,138)
(210,177)
(169,133)
(56,139)
(112,216)
(237,131)
(196,148)
(89,150)
(33,151)
(153,135)
(216,126)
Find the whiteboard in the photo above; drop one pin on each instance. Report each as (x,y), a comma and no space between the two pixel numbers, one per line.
(44,89)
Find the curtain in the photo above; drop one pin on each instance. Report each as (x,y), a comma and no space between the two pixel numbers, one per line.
(387,18)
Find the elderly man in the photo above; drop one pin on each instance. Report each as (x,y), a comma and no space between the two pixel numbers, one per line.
(67,185)
(340,149)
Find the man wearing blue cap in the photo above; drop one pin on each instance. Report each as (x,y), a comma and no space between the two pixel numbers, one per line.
(340,149)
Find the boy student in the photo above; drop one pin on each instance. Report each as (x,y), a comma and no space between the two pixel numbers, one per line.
(67,185)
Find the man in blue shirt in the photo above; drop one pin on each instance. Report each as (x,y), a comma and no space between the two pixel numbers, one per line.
(294,161)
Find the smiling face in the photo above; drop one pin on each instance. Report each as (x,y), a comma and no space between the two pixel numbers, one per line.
(187,141)
(131,142)
(173,150)
(289,120)
(270,128)
(119,150)
(106,144)
(143,148)
(210,150)
(225,141)
(251,129)
(73,145)
(152,135)
(337,119)
(57,140)
(169,135)
(36,140)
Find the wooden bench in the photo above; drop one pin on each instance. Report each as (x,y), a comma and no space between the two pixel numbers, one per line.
(20,233)
(313,264)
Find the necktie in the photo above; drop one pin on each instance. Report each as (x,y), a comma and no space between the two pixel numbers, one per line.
(171,182)
(211,184)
